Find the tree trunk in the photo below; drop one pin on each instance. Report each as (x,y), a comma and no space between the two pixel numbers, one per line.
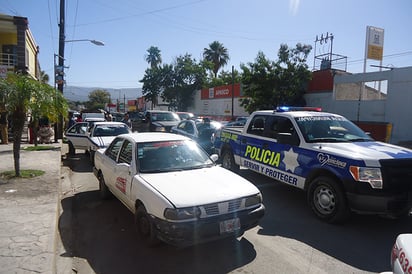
(18,125)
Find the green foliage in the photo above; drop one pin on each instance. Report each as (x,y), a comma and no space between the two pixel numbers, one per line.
(175,83)
(153,57)
(217,54)
(22,95)
(267,84)
(25,173)
(184,77)
(98,99)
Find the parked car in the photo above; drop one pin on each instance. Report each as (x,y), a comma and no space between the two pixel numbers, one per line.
(200,130)
(175,190)
(158,121)
(401,256)
(185,115)
(102,134)
(79,135)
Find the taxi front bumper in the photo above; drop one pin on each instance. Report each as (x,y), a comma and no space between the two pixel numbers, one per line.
(208,229)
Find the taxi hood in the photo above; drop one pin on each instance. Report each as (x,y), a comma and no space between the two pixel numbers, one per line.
(200,186)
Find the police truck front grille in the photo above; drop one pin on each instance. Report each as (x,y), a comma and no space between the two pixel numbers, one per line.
(222,208)
(397,175)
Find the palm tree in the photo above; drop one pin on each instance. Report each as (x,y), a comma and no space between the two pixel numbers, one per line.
(217,54)
(22,94)
(44,77)
(153,57)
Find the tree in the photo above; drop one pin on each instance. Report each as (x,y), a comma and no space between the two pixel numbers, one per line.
(152,83)
(44,77)
(267,84)
(98,99)
(217,54)
(23,95)
(153,57)
(181,80)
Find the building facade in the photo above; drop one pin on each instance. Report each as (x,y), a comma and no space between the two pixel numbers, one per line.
(18,49)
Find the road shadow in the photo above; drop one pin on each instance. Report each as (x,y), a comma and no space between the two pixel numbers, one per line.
(364,241)
(102,232)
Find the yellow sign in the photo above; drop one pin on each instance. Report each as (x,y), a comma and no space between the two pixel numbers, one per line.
(375,37)
(375,52)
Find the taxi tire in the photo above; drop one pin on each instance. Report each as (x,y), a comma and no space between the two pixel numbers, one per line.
(334,207)
(228,161)
(72,150)
(145,228)
(104,191)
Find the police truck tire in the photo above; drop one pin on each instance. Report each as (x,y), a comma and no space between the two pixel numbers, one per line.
(327,200)
(228,161)
(145,228)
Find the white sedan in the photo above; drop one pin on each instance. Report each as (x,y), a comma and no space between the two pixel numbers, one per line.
(401,257)
(91,137)
(175,190)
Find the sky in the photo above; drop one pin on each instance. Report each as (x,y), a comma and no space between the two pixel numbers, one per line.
(129,28)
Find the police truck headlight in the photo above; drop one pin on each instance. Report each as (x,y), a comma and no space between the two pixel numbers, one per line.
(371,175)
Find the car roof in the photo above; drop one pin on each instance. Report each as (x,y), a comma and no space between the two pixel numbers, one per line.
(297,113)
(145,137)
(108,123)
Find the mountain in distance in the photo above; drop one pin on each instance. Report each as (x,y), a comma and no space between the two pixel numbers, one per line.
(81,94)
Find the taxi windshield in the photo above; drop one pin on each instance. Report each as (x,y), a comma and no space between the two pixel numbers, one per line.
(330,129)
(168,156)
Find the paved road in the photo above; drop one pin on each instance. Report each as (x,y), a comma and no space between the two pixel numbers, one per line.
(289,239)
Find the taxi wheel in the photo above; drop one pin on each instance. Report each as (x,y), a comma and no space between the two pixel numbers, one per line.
(103,189)
(91,154)
(327,200)
(228,161)
(145,228)
(72,150)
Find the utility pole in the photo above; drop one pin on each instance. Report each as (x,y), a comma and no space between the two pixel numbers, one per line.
(233,91)
(58,132)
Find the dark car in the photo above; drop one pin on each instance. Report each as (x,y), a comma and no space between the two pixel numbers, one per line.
(200,130)
(158,121)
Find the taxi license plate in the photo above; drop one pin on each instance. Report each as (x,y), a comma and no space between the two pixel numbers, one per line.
(229,226)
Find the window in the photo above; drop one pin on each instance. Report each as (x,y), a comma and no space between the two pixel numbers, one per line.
(114,148)
(126,153)
(257,125)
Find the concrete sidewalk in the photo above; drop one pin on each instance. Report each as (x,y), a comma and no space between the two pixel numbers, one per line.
(29,211)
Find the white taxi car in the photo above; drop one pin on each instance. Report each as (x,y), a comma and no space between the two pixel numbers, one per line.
(92,136)
(401,257)
(175,190)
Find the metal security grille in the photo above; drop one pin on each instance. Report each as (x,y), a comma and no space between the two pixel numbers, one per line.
(222,208)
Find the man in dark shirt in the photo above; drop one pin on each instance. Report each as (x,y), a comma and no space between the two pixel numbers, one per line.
(4,127)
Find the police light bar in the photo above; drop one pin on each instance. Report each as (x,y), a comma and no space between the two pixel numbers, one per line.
(285,109)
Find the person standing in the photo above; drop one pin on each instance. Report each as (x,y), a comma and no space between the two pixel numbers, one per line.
(126,120)
(4,127)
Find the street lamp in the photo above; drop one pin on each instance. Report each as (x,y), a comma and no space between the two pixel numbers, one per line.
(96,42)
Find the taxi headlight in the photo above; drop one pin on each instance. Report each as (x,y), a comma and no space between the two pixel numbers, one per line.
(178,214)
(371,175)
(253,200)
(160,129)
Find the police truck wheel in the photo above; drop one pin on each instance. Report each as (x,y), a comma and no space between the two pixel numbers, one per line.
(144,227)
(228,161)
(327,200)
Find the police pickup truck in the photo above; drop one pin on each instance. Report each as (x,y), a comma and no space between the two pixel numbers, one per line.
(341,168)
